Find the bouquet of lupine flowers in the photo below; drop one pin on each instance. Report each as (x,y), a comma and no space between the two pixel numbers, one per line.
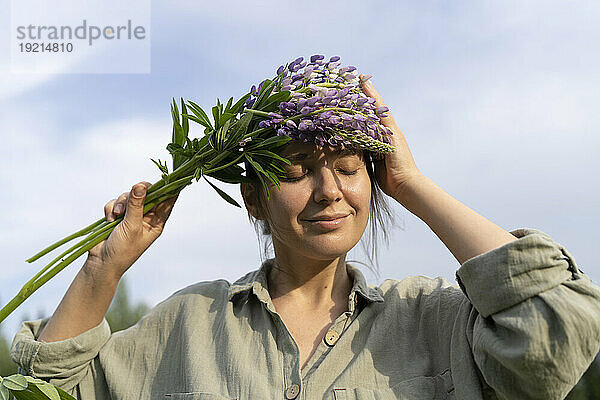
(314,101)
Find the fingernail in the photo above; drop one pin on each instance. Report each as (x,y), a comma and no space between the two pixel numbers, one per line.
(138,191)
(118,208)
(365,78)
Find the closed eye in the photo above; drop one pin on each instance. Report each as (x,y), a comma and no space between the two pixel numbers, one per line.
(346,172)
(297,178)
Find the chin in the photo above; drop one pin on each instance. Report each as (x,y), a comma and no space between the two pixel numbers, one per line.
(327,248)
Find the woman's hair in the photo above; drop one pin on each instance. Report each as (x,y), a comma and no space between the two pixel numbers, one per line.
(381,217)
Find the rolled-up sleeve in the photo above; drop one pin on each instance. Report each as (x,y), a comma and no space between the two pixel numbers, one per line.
(65,363)
(535,324)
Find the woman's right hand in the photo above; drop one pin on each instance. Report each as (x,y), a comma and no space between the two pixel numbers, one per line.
(132,236)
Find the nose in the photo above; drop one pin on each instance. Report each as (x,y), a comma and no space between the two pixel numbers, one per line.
(327,186)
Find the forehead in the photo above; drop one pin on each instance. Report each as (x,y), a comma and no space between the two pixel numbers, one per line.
(298,151)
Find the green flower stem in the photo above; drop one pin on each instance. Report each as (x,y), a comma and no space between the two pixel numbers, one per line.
(229,164)
(77,234)
(257,112)
(29,288)
(76,251)
(73,248)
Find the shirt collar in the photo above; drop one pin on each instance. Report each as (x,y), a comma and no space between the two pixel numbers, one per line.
(256,282)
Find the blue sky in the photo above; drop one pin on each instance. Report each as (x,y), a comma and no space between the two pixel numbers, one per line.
(497,100)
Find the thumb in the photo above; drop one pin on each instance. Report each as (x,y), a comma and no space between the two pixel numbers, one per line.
(135,206)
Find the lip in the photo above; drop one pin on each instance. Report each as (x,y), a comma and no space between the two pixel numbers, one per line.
(328,222)
(327,217)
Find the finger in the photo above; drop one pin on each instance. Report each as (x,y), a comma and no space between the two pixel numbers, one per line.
(160,214)
(370,91)
(134,212)
(120,204)
(108,208)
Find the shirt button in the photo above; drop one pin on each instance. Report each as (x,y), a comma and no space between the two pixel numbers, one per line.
(331,337)
(292,392)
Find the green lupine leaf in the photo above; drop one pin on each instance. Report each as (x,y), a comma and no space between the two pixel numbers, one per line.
(216,116)
(273,178)
(255,165)
(184,121)
(272,103)
(228,106)
(270,154)
(225,117)
(176,149)
(225,133)
(161,167)
(224,195)
(275,141)
(49,390)
(231,174)
(240,128)
(239,104)
(64,395)
(262,180)
(195,119)
(198,173)
(15,382)
(213,163)
(265,91)
(177,129)
(199,112)
(4,393)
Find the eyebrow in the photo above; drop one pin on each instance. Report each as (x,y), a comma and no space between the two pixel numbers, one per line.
(298,156)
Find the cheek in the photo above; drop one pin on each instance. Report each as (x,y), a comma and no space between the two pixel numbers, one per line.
(359,194)
(285,205)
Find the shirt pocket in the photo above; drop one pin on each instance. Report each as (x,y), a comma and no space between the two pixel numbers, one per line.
(438,387)
(195,396)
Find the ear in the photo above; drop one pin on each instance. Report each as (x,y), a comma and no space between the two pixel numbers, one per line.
(250,196)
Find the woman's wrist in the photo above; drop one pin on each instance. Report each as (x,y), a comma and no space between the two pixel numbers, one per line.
(99,273)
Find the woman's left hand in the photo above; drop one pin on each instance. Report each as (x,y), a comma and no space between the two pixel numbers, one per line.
(397,168)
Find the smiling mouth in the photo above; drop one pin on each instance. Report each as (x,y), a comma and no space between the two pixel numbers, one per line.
(329,222)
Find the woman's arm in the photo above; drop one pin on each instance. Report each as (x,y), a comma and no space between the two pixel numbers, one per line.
(464,232)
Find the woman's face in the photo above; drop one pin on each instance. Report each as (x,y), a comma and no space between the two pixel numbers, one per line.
(322,207)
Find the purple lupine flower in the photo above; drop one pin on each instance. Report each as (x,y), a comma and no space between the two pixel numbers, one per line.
(306,110)
(361,101)
(382,109)
(343,93)
(316,57)
(302,126)
(313,100)
(291,124)
(334,59)
(280,69)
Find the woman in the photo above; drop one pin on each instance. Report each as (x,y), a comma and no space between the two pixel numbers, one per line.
(525,322)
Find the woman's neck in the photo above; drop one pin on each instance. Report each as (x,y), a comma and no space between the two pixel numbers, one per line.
(313,283)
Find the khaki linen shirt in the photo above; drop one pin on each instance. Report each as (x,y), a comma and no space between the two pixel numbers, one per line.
(524,323)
